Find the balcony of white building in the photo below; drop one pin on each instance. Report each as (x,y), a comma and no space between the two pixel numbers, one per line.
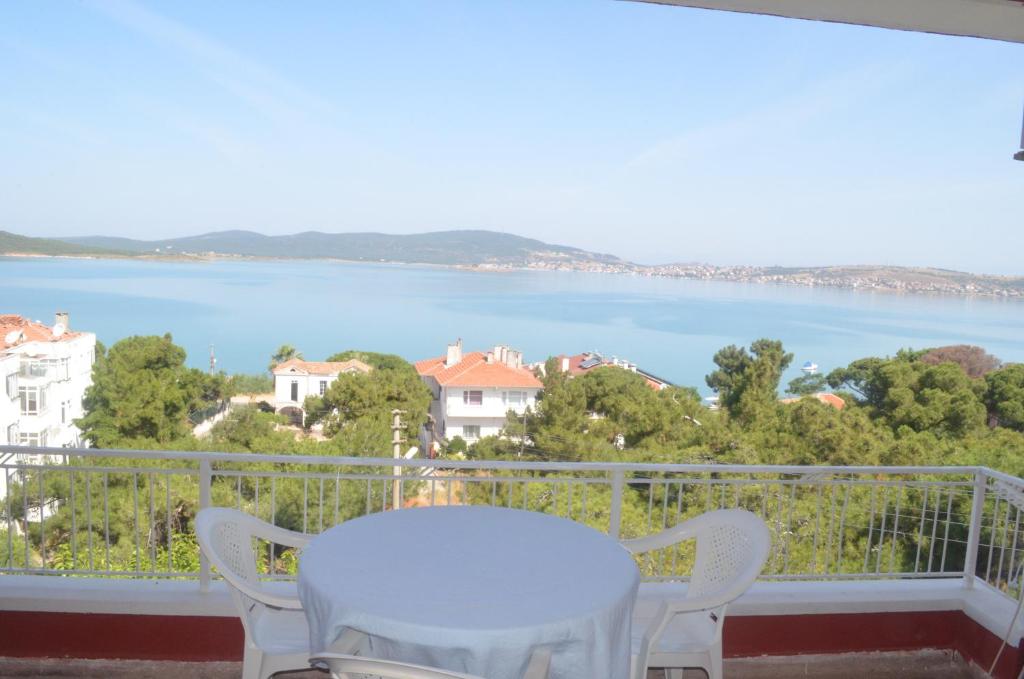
(889,571)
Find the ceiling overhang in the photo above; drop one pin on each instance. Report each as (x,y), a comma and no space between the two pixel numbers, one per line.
(993,19)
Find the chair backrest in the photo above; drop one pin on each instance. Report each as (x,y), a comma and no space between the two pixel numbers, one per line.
(225,535)
(226,538)
(346,666)
(732,546)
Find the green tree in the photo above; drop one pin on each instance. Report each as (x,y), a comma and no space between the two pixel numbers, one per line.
(748,383)
(805,385)
(1004,396)
(374,359)
(285,352)
(356,409)
(141,389)
(250,384)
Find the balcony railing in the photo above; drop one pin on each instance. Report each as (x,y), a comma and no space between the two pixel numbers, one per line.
(128,513)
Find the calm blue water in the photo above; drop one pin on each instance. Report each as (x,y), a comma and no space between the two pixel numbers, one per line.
(670,327)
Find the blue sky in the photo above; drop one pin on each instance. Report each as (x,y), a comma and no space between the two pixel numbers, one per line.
(656,133)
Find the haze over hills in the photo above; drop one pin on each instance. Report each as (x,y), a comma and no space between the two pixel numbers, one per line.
(471,247)
(490,250)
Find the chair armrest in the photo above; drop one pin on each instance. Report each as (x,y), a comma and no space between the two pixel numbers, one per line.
(283,536)
(264,597)
(665,538)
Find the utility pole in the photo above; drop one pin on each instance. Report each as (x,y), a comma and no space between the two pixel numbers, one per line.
(1020,154)
(522,439)
(396,444)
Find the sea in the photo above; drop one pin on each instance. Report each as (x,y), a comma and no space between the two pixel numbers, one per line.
(241,311)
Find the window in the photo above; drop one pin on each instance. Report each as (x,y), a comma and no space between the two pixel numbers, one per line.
(64,405)
(323,387)
(514,398)
(473,398)
(37,439)
(12,434)
(295,390)
(12,385)
(33,400)
(471,432)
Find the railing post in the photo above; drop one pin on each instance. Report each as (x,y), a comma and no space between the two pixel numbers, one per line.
(974,529)
(615,518)
(205,478)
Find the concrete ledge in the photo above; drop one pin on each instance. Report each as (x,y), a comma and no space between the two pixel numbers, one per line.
(988,607)
(128,596)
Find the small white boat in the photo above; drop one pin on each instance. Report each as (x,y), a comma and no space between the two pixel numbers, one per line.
(810,367)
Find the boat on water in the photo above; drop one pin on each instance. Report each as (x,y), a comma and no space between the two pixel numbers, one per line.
(810,367)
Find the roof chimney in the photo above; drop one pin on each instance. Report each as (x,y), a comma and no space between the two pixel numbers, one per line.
(565,364)
(63,318)
(454,354)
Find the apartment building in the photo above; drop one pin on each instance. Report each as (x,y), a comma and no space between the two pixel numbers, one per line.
(46,370)
(472,393)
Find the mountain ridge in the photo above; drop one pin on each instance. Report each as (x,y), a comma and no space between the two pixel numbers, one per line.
(470,247)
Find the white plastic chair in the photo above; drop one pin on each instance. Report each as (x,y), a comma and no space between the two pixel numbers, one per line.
(276,633)
(346,666)
(677,628)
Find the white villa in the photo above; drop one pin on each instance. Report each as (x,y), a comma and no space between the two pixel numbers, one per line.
(296,379)
(472,393)
(46,371)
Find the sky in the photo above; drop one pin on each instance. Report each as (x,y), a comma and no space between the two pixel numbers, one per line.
(651,132)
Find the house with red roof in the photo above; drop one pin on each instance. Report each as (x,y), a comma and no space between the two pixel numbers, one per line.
(825,397)
(296,379)
(473,392)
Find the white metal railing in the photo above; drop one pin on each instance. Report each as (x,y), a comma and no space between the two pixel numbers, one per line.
(129,513)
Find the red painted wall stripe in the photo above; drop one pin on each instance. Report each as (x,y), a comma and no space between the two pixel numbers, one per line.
(31,634)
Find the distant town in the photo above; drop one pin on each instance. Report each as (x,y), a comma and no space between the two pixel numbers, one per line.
(872,278)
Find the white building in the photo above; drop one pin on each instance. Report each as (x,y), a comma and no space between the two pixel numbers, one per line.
(473,393)
(9,401)
(46,371)
(296,379)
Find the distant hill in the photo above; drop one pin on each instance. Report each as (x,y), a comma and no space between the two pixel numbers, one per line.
(439,247)
(13,244)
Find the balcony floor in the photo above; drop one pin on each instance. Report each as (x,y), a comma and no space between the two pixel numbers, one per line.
(916,665)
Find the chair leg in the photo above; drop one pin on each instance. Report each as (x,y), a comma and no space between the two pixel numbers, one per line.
(252,663)
(716,662)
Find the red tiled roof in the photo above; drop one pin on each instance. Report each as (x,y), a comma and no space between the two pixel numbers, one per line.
(825,397)
(321,367)
(474,371)
(31,331)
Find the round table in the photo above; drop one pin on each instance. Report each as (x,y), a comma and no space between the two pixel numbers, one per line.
(474,590)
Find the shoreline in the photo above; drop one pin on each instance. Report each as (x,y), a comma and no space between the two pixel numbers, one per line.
(750,275)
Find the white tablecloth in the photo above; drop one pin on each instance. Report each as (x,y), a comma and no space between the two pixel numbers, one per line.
(474,589)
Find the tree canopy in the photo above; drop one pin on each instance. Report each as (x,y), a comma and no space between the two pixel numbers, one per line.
(141,389)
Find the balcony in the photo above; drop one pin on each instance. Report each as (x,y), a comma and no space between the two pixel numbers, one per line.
(887,561)
(37,373)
